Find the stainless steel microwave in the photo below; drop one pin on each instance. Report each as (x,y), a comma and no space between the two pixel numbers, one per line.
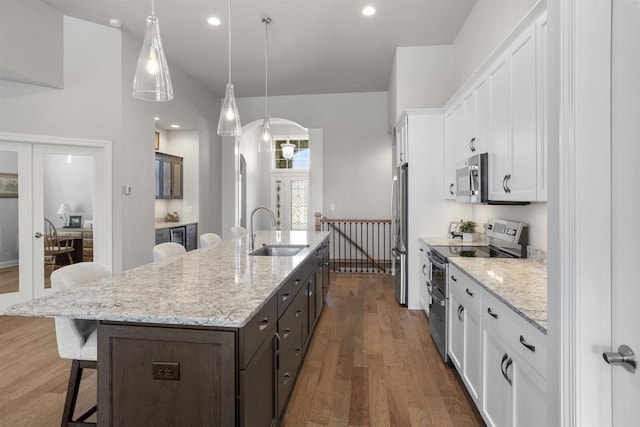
(472,182)
(472,179)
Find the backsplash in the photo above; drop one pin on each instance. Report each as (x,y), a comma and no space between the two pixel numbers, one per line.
(537,254)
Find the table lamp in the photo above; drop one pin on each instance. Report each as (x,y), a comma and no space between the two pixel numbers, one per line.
(63,211)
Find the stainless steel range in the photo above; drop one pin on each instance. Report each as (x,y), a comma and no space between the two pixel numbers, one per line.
(506,239)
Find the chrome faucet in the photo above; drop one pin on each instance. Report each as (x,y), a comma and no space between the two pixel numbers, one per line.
(252,236)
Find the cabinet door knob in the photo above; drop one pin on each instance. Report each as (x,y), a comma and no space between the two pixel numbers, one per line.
(504,368)
(285,297)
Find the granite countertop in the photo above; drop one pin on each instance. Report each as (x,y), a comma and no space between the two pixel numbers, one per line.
(217,286)
(448,241)
(161,225)
(519,283)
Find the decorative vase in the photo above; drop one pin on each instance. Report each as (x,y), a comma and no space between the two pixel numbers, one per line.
(467,237)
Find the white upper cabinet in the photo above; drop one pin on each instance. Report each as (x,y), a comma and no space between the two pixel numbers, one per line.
(502,111)
(452,149)
(402,136)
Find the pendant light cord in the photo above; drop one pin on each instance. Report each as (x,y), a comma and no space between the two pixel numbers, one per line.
(266,63)
(229,41)
(153,8)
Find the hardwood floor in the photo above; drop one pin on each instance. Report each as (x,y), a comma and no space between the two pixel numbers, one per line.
(9,279)
(371,363)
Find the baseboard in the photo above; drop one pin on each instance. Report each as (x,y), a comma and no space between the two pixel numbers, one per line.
(10,263)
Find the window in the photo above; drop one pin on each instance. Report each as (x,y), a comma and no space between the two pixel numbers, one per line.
(300,157)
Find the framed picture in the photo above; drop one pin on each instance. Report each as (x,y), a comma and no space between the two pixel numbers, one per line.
(453,227)
(9,185)
(75,221)
(157,141)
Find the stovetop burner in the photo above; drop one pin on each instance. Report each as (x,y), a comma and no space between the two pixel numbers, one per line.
(471,252)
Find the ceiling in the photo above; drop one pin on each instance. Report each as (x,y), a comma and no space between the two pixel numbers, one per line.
(315,46)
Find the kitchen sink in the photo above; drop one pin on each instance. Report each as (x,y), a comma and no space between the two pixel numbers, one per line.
(278,250)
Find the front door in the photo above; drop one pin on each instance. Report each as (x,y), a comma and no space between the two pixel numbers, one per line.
(625,205)
(290,200)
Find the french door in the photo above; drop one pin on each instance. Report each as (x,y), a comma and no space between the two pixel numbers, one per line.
(64,186)
(290,200)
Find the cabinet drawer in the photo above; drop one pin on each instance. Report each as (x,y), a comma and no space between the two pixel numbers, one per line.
(289,290)
(87,243)
(162,235)
(468,292)
(290,327)
(511,326)
(254,332)
(192,229)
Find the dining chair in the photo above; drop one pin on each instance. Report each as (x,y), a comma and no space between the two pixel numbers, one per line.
(54,246)
(209,239)
(163,251)
(238,232)
(77,338)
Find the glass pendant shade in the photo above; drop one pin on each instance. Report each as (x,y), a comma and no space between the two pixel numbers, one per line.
(152,81)
(229,123)
(265,143)
(288,150)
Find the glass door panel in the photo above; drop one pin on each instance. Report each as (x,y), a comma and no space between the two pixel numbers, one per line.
(63,209)
(15,236)
(290,200)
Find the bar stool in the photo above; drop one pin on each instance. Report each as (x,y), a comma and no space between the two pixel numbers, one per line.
(77,338)
(209,239)
(238,232)
(167,250)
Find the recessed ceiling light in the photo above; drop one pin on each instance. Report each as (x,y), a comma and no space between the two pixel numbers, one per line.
(156,118)
(175,126)
(215,21)
(368,11)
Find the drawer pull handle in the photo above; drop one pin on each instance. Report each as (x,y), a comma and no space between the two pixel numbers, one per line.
(286,333)
(286,378)
(492,314)
(298,313)
(454,278)
(285,297)
(526,344)
(264,323)
(469,292)
(298,281)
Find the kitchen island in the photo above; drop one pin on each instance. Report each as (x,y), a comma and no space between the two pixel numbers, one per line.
(215,337)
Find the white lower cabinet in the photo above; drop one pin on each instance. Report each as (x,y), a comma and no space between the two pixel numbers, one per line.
(502,376)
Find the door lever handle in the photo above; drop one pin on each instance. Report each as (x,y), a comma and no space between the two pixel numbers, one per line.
(624,357)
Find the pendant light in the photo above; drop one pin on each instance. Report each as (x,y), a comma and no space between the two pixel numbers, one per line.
(265,143)
(288,150)
(152,81)
(229,123)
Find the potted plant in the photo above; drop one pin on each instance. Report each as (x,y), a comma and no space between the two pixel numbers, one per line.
(467,228)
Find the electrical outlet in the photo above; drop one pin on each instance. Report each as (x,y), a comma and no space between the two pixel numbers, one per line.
(166,370)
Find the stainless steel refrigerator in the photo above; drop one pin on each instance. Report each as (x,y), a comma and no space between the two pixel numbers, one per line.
(399,232)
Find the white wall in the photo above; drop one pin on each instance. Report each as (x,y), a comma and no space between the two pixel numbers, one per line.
(420,78)
(38,56)
(356,146)
(488,24)
(68,180)
(8,215)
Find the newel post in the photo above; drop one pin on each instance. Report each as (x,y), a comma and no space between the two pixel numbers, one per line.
(318,223)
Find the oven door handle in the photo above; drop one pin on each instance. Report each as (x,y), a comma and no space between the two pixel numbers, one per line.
(438,301)
(433,261)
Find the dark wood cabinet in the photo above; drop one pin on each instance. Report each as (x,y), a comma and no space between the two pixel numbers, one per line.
(159,376)
(258,386)
(191,238)
(169,176)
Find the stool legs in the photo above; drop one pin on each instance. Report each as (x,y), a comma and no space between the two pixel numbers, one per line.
(75,377)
